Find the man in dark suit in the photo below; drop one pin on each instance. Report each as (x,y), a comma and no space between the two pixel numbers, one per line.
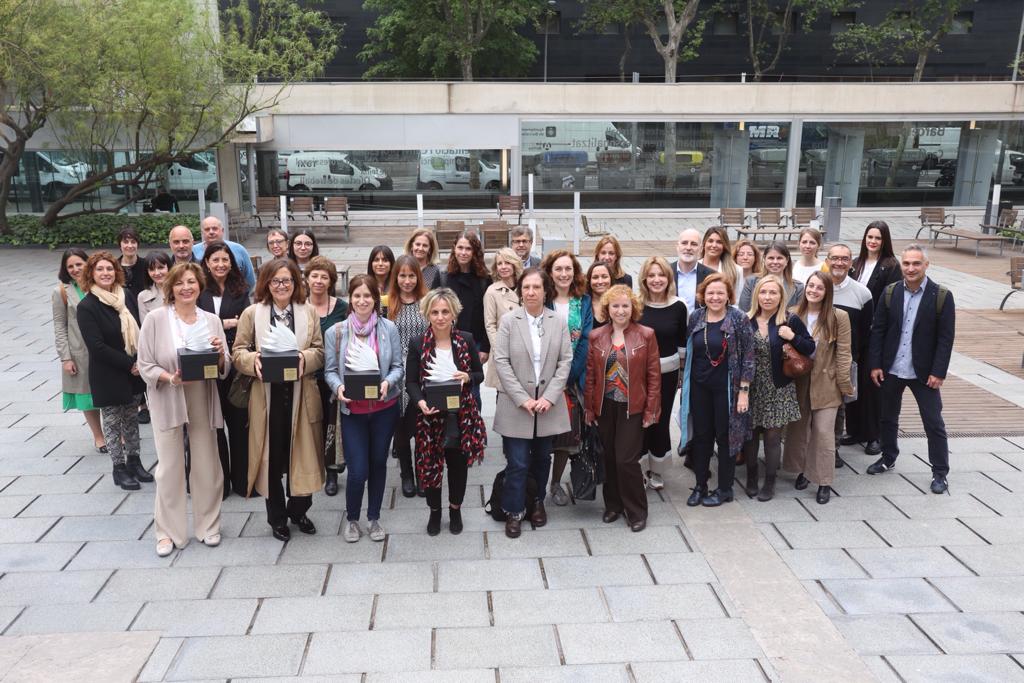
(521,238)
(687,271)
(911,342)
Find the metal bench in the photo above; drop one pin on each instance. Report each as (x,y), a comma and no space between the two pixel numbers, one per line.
(935,217)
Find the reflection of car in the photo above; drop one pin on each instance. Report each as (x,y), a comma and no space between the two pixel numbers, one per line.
(57,174)
(445,169)
(767,167)
(563,170)
(878,164)
(688,165)
(307,171)
(186,178)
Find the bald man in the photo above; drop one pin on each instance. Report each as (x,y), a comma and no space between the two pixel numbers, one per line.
(688,272)
(213,231)
(180,240)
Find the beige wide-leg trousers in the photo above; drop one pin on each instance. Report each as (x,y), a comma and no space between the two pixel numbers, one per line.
(206,476)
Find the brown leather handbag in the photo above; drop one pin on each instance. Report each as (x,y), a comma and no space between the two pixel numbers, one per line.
(794,363)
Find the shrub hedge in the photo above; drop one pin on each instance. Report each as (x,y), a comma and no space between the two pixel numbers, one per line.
(95,230)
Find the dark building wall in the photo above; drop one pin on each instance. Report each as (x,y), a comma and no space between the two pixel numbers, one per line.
(983,53)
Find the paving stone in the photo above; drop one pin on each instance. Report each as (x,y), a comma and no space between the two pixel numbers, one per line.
(53,466)
(671,568)
(16,435)
(980,484)
(65,483)
(320,613)
(186,618)
(934,507)
(407,650)
(542,543)
(619,541)
(36,557)
(7,615)
(897,563)
(981,668)
(975,633)
(926,532)
(853,508)
(719,639)
(74,618)
(317,549)
(781,509)
(829,535)
(824,563)
(878,485)
(160,659)
(463,676)
(231,552)
(431,610)
(726,671)
(772,535)
(652,603)
(271,581)
(581,572)
(73,504)
(328,523)
(596,673)
(984,593)
(1006,504)
(417,547)
(120,555)
(336,678)
(141,503)
(171,583)
(887,596)
(461,648)
(389,577)
(27,530)
(880,669)
(630,642)
(908,461)
(991,560)
(99,528)
(529,607)
(230,656)
(37,588)
(998,530)
(884,634)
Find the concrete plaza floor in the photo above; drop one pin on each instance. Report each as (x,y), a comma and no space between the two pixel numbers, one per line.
(886,582)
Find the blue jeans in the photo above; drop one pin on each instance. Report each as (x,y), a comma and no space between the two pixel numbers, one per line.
(522,457)
(367,440)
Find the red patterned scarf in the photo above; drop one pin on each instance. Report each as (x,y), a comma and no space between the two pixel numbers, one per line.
(430,429)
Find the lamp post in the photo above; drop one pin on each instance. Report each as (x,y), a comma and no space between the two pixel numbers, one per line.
(547,29)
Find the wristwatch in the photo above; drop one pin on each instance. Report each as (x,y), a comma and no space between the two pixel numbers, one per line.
(744,388)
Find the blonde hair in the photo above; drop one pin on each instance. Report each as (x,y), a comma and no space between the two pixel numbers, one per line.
(666,269)
(510,257)
(622,290)
(755,304)
(444,294)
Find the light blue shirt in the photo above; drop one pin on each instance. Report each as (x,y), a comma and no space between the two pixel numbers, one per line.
(241,258)
(686,286)
(903,364)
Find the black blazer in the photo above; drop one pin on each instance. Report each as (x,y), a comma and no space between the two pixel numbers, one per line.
(230,307)
(627,280)
(135,280)
(470,290)
(802,341)
(412,367)
(110,377)
(932,341)
(885,273)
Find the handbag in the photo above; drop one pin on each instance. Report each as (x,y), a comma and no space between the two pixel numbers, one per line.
(238,392)
(586,472)
(794,363)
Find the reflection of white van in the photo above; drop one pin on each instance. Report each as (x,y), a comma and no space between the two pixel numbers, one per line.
(591,137)
(444,169)
(57,174)
(307,171)
(187,177)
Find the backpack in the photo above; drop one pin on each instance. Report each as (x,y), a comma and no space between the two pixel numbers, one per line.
(939,302)
(493,506)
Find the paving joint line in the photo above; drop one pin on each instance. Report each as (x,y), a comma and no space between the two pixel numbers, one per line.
(884,540)
(856,562)
(558,645)
(682,640)
(886,498)
(910,618)
(327,579)
(983,503)
(944,596)
(967,526)
(586,542)
(647,566)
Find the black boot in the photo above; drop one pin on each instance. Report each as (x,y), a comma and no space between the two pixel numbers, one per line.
(454,520)
(124,478)
(134,465)
(751,487)
(768,490)
(331,487)
(434,523)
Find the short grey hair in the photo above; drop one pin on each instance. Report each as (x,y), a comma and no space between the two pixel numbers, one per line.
(840,245)
(445,294)
(915,247)
(520,230)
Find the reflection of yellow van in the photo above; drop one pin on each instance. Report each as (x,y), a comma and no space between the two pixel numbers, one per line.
(688,165)
(688,158)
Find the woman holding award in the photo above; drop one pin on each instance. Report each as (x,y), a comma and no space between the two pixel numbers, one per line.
(279,343)
(364,370)
(442,367)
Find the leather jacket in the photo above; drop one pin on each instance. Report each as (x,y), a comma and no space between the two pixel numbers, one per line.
(643,370)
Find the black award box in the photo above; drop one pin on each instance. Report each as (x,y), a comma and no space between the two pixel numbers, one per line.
(443,395)
(198,365)
(280,366)
(362,385)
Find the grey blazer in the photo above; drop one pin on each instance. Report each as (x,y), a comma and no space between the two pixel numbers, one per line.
(512,355)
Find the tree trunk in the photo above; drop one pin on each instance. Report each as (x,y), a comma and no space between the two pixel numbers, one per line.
(625,55)
(8,168)
(467,67)
(922,57)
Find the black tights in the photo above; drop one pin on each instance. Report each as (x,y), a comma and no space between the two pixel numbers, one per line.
(772,452)
(458,472)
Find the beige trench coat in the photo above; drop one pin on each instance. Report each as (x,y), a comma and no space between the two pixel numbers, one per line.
(499,300)
(68,339)
(306,469)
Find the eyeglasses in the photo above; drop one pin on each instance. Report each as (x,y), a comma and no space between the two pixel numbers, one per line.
(304,245)
(839,259)
(281,282)
(277,241)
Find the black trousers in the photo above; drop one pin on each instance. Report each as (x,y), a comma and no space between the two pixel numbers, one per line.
(863,416)
(233,447)
(929,404)
(280,428)
(657,441)
(709,407)
(458,473)
(405,433)
(621,438)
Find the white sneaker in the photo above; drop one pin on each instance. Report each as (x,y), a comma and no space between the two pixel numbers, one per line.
(558,495)
(352,532)
(654,481)
(376,532)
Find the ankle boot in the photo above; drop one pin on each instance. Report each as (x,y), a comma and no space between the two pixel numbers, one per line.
(455,520)
(124,479)
(768,490)
(434,523)
(331,486)
(134,465)
(751,487)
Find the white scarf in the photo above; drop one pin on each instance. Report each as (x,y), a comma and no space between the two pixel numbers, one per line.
(129,328)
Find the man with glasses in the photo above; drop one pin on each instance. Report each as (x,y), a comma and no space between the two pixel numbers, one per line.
(213,231)
(521,238)
(854,298)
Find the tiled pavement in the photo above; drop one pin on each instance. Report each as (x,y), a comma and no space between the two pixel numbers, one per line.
(886,581)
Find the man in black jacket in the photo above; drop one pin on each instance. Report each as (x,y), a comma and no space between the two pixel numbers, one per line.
(911,343)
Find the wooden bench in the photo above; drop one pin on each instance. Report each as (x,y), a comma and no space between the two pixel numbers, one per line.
(1005,221)
(935,217)
(800,217)
(509,204)
(733,218)
(1016,274)
(768,221)
(301,208)
(494,234)
(240,224)
(268,212)
(447,232)
(957,235)
(335,212)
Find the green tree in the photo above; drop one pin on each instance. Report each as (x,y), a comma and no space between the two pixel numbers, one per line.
(449,38)
(166,79)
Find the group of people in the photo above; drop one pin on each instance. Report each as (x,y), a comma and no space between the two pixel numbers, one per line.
(572,354)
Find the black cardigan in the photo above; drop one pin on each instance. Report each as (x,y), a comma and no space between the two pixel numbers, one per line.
(885,273)
(412,366)
(110,368)
(802,342)
(230,307)
(470,290)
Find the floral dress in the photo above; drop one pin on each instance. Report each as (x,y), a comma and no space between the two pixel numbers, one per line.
(770,407)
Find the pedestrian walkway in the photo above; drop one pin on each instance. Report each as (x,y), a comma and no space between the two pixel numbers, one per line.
(887,582)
